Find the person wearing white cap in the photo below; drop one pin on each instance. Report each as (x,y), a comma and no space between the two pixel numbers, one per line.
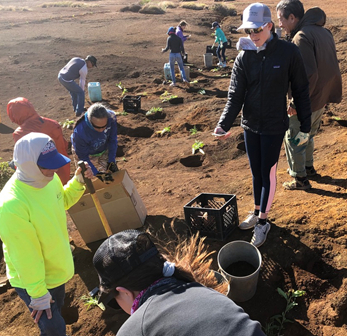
(33,229)
(262,74)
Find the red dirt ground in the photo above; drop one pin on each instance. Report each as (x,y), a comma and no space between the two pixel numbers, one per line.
(306,247)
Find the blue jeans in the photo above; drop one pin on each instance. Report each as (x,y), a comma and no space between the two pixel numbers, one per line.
(263,152)
(300,157)
(76,93)
(176,57)
(56,325)
(222,49)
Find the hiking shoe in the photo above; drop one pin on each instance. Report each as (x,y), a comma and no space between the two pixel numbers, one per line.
(249,222)
(310,171)
(260,233)
(297,184)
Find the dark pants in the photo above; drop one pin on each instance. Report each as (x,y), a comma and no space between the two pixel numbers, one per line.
(222,49)
(263,152)
(56,325)
(76,93)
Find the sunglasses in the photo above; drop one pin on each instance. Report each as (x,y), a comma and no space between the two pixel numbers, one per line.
(98,127)
(255,30)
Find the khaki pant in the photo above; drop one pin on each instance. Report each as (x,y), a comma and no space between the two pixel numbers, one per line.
(300,157)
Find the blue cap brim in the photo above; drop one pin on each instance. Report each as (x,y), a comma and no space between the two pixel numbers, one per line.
(52,160)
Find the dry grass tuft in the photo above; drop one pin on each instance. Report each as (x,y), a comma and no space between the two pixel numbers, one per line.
(132,8)
(167,4)
(224,10)
(151,9)
(194,6)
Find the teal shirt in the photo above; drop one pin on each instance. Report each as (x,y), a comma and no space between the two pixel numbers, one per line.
(34,233)
(220,36)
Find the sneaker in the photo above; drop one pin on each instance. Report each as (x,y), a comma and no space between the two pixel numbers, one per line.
(297,184)
(219,63)
(310,171)
(224,64)
(249,222)
(260,233)
(173,84)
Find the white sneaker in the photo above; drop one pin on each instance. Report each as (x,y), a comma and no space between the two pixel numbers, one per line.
(172,84)
(260,233)
(249,222)
(220,64)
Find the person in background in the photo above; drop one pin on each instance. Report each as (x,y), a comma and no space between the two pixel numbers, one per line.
(175,44)
(222,44)
(259,84)
(23,113)
(94,140)
(76,68)
(179,31)
(33,229)
(161,290)
(317,47)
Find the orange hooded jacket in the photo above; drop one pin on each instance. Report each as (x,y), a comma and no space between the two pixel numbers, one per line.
(22,112)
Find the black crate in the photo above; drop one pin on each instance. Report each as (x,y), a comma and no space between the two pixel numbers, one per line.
(213,215)
(131,103)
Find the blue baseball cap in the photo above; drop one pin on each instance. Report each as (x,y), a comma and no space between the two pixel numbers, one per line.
(172,30)
(50,158)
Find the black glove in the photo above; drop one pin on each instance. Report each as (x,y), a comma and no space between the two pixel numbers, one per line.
(112,166)
(104,177)
(100,176)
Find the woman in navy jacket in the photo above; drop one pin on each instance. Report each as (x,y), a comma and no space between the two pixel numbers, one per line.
(94,140)
(262,74)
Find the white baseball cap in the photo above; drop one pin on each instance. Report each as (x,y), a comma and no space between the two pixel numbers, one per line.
(255,15)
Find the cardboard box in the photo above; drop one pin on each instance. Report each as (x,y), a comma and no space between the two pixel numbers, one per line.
(121,203)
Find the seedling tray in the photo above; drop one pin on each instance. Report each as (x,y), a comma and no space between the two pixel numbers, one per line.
(213,215)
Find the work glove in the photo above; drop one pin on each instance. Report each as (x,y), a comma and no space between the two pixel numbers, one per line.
(300,139)
(41,303)
(104,177)
(112,166)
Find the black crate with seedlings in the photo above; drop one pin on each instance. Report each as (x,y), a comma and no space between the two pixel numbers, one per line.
(131,103)
(213,215)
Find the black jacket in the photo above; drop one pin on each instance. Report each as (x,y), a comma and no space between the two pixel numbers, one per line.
(176,308)
(259,85)
(175,44)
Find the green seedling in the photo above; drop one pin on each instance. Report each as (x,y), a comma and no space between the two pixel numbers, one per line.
(337,118)
(164,130)
(169,98)
(154,110)
(197,146)
(143,94)
(225,75)
(194,82)
(200,70)
(215,69)
(120,85)
(122,113)
(193,130)
(67,123)
(124,91)
(90,302)
(202,92)
(276,324)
